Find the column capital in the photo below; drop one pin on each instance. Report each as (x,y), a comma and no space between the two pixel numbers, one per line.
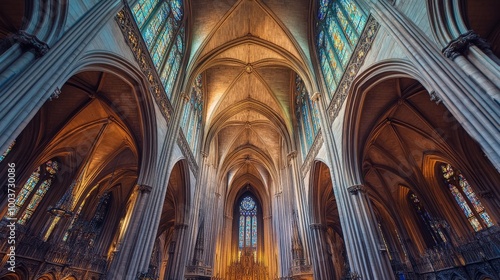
(354,190)
(315,96)
(31,43)
(144,188)
(317,226)
(292,155)
(181,226)
(460,45)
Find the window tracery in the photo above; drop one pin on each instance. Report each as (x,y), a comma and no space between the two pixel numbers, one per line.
(160,23)
(35,187)
(8,150)
(247,237)
(466,198)
(192,115)
(338,28)
(307,116)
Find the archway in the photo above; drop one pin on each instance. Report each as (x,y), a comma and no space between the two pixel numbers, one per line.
(95,131)
(331,260)
(400,140)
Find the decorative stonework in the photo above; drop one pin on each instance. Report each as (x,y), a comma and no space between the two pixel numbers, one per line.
(27,42)
(134,40)
(318,227)
(313,152)
(356,61)
(186,151)
(144,188)
(462,43)
(354,190)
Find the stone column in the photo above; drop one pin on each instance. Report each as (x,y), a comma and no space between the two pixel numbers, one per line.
(178,255)
(125,248)
(457,51)
(322,266)
(362,248)
(22,95)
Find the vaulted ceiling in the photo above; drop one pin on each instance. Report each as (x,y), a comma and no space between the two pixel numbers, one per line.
(249,52)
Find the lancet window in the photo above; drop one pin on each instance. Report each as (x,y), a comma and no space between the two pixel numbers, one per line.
(161,26)
(466,198)
(338,29)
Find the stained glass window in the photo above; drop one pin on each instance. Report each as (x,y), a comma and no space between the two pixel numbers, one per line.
(35,187)
(432,229)
(192,116)
(160,23)
(8,150)
(248,224)
(307,116)
(466,198)
(338,28)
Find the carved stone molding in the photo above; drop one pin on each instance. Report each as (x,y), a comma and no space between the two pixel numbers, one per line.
(317,227)
(144,188)
(460,45)
(356,61)
(135,42)
(313,152)
(354,190)
(186,151)
(29,42)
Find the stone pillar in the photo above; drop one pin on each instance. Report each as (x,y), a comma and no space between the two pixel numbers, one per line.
(125,248)
(24,94)
(322,266)
(457,50)
(355,214)
(178,255)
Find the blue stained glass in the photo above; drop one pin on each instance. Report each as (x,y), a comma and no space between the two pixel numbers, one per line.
(248,227)
(161,46)
(159,22)
(152,29)
(177,9)
(339,28)
(142,10)
(471,195)
(248,223)
(355,14)
(254,232)
(452,178)
(242,229)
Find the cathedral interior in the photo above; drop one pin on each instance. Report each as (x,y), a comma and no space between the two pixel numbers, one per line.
(250,139)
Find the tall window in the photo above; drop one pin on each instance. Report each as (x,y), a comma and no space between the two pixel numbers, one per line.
(307,116)
(248,225)
(191,119)
(432,230)
(160,23)
(34,190)
(339,26)
(466,198)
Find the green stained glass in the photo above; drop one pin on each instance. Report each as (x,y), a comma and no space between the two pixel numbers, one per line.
(160,48)
(153,28)
(339,26)
(142,10)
